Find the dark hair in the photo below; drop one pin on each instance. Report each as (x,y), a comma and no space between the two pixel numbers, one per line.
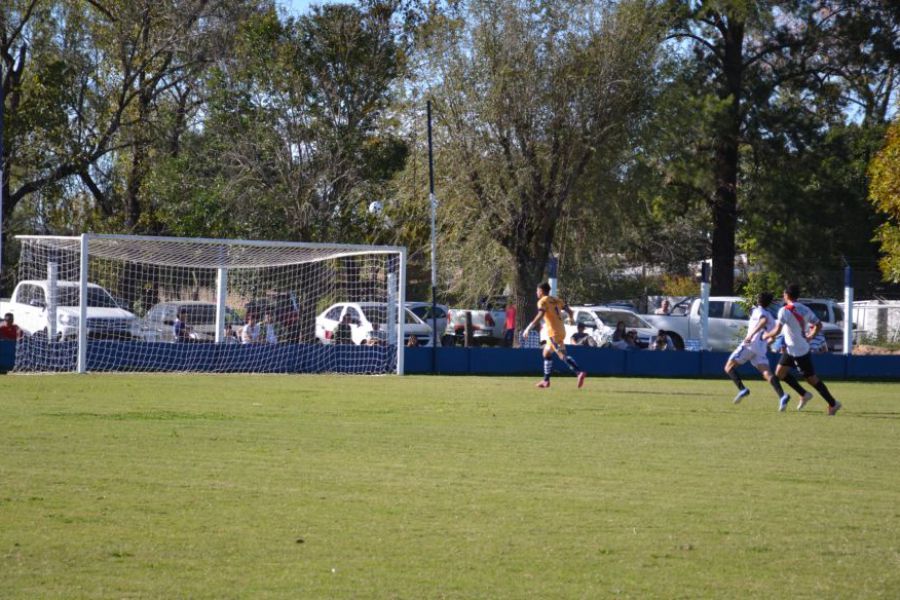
(545,287)
(764,299)
(792,291)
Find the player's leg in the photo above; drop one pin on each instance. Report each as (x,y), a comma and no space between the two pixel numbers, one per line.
(547,355)
(564,356)
(737,358)
(783,372)
(762,365)
(804,363)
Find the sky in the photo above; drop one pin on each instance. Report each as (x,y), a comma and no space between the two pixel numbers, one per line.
(299,7)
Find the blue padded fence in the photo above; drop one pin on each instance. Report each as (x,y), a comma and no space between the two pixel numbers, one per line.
(641,363)
(289,358)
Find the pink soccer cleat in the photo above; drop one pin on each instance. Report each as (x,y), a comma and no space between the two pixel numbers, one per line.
(542,384)
(581,377)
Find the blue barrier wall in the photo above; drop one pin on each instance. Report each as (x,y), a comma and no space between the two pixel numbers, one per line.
(285,358)
(605,361)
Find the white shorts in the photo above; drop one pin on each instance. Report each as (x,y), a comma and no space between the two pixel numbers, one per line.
(752,354)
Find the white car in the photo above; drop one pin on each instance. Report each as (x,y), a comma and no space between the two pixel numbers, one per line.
(368,319)
(600,322)
(423,311)
(30,304)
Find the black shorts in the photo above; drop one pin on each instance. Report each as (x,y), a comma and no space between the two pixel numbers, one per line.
(801,363)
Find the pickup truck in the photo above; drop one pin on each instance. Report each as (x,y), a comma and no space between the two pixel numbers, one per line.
(487,325)
(727,324)
(105,319)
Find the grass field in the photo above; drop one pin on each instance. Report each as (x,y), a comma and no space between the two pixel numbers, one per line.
(116,486)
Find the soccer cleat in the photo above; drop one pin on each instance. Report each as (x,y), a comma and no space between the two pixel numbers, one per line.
(804,400)
(783,403)
(832,410)
(581,376)
(542,384)
(741,394)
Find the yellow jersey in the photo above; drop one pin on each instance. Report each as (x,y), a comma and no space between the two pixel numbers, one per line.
(553,309)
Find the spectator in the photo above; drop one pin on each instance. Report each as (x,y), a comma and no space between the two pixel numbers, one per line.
(662,341)
(618,338)
(510,331)
(631,340)
(271,338)
(231,336)
(665,308)
(582,338)
(181,330)
(9,331)
(412,341)
(343,333)
(250,331)
(373,340)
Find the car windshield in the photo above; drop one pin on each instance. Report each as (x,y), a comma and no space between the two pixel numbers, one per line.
(377,315)
(611,317)
(201,314)
(97,297)
(820,309)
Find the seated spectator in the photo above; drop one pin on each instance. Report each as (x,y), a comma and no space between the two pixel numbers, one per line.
(631,340)
(231,336)
(662,341)
(181,330)
(9,331)
(618,337)
(582,338)
(269,325)
(250,331)
(412,341)
(343,333)
(665,308)
(373,340)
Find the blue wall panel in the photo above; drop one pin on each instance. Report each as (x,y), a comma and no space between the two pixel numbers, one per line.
(287,358)
(662,364)
(874,367)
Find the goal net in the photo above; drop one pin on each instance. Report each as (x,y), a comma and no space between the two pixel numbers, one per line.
(198,305)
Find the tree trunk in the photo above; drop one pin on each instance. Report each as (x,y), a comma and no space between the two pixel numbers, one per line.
(724,206)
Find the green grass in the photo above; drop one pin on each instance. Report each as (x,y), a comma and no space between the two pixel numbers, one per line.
(157,486)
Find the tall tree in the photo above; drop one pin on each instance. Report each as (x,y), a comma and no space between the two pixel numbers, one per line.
(527,93)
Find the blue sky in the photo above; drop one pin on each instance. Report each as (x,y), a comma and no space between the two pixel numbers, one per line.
(298,7)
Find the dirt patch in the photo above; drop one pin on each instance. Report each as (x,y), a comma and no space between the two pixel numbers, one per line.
(864,350)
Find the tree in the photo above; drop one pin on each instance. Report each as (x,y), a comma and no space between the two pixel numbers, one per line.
(526,94)
(884,193)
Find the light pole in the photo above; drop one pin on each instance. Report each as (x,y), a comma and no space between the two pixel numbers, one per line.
(433,201)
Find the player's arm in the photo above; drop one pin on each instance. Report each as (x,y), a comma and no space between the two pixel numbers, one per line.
(759,326)
(814,330)
(569,312)
(534,322)
(770,337)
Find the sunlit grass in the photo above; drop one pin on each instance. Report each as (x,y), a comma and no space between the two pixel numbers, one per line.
(440,487)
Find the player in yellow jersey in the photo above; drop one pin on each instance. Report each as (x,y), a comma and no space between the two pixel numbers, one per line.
(550,308)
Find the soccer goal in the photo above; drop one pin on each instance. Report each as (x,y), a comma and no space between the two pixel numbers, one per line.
(205,305)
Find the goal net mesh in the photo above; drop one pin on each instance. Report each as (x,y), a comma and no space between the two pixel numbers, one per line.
(178,304)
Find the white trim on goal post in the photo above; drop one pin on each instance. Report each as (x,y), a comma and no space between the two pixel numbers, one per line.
(82,302)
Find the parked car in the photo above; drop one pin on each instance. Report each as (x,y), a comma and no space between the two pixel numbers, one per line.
(30,300)
(487,323)
(602,319)
(423,311)
(284,309)
(728,319)
(158,323)
(368,318)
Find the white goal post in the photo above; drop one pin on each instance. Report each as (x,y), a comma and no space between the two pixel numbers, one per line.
(100,302)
